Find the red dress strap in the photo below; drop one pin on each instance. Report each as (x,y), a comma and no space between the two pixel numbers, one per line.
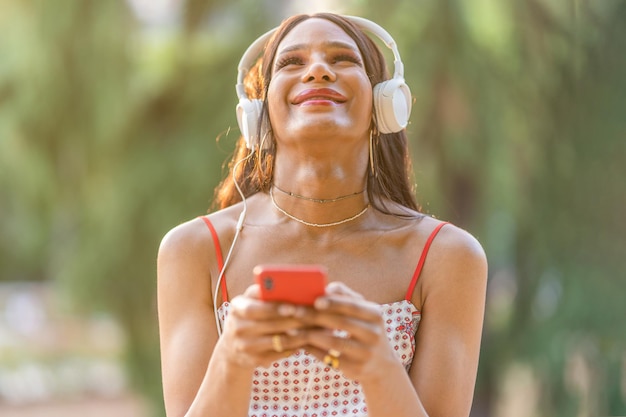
(420,264)
(218,255)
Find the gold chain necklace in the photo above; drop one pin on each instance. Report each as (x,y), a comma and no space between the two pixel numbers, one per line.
(319,200)
(349,219)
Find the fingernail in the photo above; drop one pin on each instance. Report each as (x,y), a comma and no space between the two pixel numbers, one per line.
(321,303)
(286,310)
(299,312)
(292,332)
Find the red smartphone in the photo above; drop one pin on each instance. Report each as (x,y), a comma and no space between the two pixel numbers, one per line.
(296,284)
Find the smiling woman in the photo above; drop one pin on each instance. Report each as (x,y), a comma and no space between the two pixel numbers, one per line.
(320,182)
(322,84)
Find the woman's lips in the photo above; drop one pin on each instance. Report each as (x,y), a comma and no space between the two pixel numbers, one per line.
(319,96)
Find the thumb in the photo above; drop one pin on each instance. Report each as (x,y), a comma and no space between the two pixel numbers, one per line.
(339,288)
(253,291)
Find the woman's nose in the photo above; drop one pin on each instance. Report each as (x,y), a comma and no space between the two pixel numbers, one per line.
(319,70)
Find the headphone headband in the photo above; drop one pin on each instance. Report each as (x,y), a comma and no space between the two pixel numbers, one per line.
(392,98)
(247,60)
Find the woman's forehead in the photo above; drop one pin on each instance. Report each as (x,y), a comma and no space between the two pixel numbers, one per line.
(316,31)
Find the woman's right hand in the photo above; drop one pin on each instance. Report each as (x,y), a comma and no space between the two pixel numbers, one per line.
(257,333)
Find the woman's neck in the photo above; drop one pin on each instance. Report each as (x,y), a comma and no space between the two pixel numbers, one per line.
(323,176)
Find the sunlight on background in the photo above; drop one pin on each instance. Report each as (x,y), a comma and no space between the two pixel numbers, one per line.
(167,12)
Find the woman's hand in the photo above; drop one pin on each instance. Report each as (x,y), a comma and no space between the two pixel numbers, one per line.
(342,324)
(347,332)
(257,333)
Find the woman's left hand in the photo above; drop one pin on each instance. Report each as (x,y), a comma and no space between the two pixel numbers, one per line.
(349,333)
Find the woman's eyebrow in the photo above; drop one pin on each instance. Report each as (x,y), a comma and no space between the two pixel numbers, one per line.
(327,44)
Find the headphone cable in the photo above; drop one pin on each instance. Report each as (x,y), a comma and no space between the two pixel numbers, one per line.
(242,217)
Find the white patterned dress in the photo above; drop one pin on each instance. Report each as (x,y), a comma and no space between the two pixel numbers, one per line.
(302,386)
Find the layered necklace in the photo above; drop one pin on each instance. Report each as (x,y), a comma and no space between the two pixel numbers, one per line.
(317,200)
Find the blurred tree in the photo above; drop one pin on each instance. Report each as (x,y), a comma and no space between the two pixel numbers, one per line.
(579,245)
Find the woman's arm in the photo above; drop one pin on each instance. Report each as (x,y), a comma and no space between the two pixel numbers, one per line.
(204,375)
(448,339)
(187,328)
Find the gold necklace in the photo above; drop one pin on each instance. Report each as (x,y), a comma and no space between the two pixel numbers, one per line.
(319,200)
(349,219)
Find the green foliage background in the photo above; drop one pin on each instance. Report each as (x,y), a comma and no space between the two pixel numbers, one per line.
(108,132)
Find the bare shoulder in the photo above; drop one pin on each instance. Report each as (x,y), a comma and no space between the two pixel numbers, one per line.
(460,247)
(183,246)
(187,255)
(183,267)
(186,265)
(184,237)
(194,235)
(456,259)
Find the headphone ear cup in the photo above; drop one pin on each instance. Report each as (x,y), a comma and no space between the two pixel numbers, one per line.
(392,105)
(248,115)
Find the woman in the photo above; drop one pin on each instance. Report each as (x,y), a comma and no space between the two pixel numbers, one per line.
(322,187)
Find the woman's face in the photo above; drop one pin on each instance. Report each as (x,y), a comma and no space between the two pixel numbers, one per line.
(319,87)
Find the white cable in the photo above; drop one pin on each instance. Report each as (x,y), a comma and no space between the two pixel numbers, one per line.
(242,217)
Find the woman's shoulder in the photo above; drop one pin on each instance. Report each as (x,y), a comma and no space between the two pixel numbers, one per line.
(452,239)
(194,234)
(447,241)
(455,252)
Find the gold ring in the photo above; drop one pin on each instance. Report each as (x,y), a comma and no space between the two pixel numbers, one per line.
(335,353)
(331,360)
(277,343)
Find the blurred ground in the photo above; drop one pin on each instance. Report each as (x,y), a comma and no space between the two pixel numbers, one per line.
(54,362)
(120,407)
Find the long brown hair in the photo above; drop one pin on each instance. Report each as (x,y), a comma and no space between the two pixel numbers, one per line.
(391,180)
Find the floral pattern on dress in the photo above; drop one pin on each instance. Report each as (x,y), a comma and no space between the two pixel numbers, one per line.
(302,386)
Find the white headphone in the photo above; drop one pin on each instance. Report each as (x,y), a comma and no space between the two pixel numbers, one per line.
(392,98)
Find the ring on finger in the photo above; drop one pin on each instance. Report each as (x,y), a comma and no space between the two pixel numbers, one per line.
(332,358)
(334,352)
(277,343)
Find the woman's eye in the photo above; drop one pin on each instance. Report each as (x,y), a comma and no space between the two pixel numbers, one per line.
(290,60)
(347,58)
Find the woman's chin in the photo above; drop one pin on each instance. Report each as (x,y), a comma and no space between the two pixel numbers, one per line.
(323,125)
